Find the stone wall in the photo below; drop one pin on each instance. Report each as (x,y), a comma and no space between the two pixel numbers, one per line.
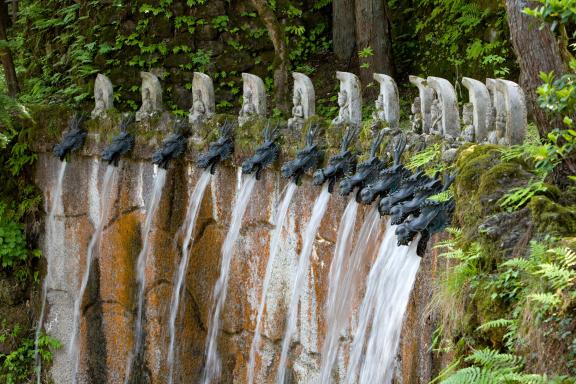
(108,310)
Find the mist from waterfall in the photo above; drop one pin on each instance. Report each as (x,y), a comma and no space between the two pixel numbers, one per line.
(345,275)
(105,199)
(189,226)
(212,367)
(318,211)
(159,182)
(382,310)
(274,242)
(56,206)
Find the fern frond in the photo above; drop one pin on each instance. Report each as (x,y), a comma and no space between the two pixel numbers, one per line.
(498,323)
(558,276)
(470,375)
(519,263)
(546,299)
(490,358)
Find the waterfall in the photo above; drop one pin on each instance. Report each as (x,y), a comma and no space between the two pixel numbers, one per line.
(212,365)
(189,225)
(387,290)
(159,182)
(344,277)
(105,199)
(280,217)
(303,263)
(55,207)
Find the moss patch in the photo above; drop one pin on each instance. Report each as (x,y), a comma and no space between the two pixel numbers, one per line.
(552,218)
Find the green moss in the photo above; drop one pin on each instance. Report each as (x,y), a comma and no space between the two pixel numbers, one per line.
(550,217)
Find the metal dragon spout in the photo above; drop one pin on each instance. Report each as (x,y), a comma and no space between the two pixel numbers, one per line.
(265,155)
(172,147)
(401,211)
(306,159)
(366,172)
(434,217)
(404,192)
(74,139)
(121,144)
(339,165)
(218,150)
(389,178)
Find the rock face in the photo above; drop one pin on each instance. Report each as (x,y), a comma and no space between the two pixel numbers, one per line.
(108,309)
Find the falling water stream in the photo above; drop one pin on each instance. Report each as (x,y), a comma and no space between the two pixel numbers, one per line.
(56,207)
(105,199)
(159,182)
(303,263)
(345,274)
(213,365)
(280,217)
(390,276)
(189,225)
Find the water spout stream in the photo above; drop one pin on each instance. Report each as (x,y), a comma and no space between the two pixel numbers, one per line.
(212,368)
(73,347)
(56,206)
(159,182)
(318,211)
(280,218)
(189,225)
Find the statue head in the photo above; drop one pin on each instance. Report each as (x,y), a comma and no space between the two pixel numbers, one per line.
(197,95)
(467,112)
(379,103)
(248,96)
(99,94)
(147,94)
(297,98)
(342,98)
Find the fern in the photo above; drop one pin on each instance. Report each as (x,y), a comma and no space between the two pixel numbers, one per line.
(426,157)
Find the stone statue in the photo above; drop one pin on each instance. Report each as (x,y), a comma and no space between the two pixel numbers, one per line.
(479,97)
(248,109)
(254,98)
(515,115)
(449,122)
(198,110)
(436,117)
(378,114)
(103,96)
(388,102)
(500,130)
(151,97)
(426,95)
(416,116)
(467,120)
(203,102)
(296,122)
(343,117)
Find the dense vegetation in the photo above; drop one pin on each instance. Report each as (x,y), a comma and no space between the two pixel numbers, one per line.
(503,295)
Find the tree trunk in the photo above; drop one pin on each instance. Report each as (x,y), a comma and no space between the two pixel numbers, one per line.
(6,55)
(281,59)
(343,29)
(537,51)
(373,31)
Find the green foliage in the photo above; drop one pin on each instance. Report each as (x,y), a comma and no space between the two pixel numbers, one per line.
(518,197)
(17,366)
(554,12)
(429,159)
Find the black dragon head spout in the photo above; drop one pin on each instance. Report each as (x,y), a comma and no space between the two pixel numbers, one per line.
(341,164)
(265,155)
(172,147)
(367,171)
(121,144)
(388,179)
(306,159)
(404,192)
(74,138)
(218,150)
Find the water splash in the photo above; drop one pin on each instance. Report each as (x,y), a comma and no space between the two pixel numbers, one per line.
(343,286)
(56,206)
(280,218)
(159,182)
(105,199)
(303,265)
(389,270)
(189,225)
(212,368)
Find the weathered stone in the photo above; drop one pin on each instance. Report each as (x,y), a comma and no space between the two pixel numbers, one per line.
(103,96)
(349,100)
(480,98)
(304,102)
(151,97)
(203,101)
(388,102)
(497,103)
(448,104)
(426,95)
(516,113)
(254,98)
